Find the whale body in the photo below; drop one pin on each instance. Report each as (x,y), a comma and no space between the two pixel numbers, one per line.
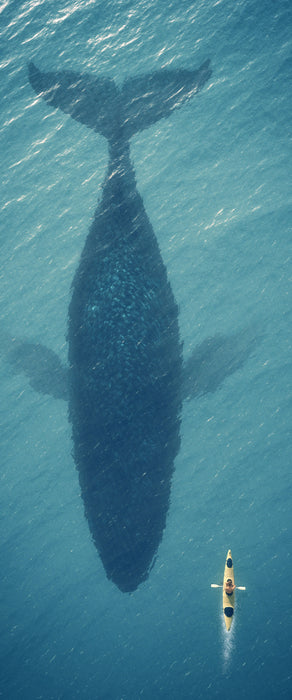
(125,353)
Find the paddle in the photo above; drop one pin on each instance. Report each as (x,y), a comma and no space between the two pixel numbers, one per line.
(238,588)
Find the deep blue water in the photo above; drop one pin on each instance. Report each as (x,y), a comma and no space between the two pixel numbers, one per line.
(216,183)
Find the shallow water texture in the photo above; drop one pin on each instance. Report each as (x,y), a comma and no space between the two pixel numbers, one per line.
(215,178)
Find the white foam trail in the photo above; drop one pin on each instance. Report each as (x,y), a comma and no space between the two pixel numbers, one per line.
(228,645)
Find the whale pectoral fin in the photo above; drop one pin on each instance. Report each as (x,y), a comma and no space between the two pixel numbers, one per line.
(214,360)
(46,373)
(89,100)
(148,98)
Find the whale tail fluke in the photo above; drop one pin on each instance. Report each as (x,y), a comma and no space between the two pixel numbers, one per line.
(151,97)
(100,105)
(86,99)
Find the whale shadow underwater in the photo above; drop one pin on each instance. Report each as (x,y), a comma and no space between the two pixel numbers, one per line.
(125,379)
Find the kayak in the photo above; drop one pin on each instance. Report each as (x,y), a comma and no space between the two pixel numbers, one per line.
(228,600)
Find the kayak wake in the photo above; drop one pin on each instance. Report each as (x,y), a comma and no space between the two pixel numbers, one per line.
(228,645)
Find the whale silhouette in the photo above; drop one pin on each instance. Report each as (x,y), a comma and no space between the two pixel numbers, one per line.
(125,354)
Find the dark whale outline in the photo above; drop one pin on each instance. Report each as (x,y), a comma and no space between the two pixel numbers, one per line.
(125,355)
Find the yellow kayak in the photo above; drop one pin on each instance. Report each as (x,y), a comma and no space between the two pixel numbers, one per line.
(228,600)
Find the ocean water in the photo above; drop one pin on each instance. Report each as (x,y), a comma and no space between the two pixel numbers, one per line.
(215,178)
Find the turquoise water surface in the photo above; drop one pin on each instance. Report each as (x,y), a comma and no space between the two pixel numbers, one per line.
(215,178)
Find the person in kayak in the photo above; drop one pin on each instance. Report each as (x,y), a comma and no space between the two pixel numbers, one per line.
(229,587)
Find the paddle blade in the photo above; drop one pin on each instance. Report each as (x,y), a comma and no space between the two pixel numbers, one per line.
(215,585)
